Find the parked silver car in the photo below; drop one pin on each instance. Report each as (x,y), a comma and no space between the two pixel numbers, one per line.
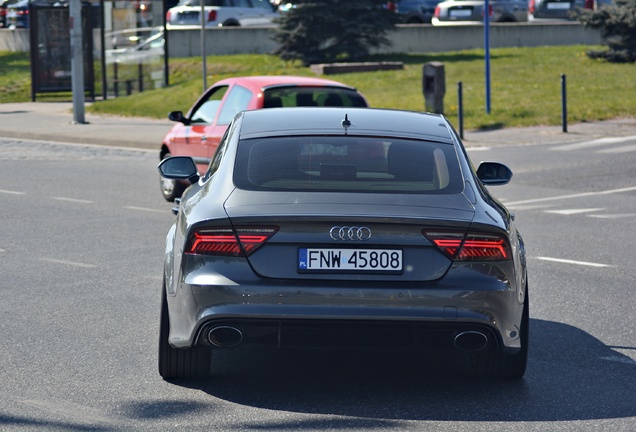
(472,11)
(222,13)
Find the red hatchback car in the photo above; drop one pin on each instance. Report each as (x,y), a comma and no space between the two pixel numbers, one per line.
(197,134)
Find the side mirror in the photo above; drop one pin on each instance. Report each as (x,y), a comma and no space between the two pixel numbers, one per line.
(493,173)
(179,168)
(178,116)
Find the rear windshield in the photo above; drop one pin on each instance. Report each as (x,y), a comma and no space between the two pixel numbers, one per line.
(312,96)
(347,164)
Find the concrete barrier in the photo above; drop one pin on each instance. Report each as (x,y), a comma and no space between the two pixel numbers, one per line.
(405,38)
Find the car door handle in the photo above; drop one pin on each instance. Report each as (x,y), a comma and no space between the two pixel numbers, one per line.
(204,138)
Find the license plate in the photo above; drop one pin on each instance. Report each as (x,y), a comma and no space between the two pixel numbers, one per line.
(363,260)
(559,5)
(460,13)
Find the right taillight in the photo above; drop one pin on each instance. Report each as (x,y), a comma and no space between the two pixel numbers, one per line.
(212,15)
(470,247)
(240,242)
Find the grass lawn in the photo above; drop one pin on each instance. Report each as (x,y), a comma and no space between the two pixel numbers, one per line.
(525,85)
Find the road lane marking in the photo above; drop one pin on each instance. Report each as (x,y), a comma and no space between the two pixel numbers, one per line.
(480,148)
(567,261)
(527,207)
(625,360)
(578,195)
(12,192)
(594,143)
(623,149)
(71,263)
(147,209)
(613,216)
(75,200)
(568,212)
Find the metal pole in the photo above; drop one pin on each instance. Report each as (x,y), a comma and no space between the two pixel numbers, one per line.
(460,109)
(102,39)
(564,104)
(487,49)
(77,60)
(205,69)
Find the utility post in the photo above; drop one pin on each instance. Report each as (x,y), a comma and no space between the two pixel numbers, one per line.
(77,61)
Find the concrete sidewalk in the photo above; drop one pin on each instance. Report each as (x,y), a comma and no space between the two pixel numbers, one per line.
(52,121)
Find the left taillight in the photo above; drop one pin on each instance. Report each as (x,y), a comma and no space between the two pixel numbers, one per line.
(472,246)
(240,242)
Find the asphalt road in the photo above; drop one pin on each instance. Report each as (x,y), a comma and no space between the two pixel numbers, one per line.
(81,244)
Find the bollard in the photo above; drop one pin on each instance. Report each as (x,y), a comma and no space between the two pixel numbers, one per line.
(460,109)
(564,104)
(434,86)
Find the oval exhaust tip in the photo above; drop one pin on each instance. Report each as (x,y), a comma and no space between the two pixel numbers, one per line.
(225,336)
(471,341)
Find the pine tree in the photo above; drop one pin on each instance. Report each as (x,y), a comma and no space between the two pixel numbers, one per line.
(322,31)
(617,23)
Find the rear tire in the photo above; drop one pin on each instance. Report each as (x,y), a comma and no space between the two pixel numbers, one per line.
(506,366)
(179,363)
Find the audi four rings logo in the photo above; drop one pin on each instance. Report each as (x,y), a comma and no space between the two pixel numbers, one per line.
(350,233)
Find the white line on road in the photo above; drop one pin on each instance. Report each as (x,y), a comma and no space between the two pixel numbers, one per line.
(568,212)
(147,209)
(527,207)
(578,195)
(623,149)
(12,192)
(480,148)
(75,200)
(594,143)
(71,263)
(613,216)
(567,261)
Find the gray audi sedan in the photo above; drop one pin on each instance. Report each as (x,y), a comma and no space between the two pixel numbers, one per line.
(353,228)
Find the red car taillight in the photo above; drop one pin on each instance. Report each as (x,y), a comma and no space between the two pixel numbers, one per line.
(437,12)
(212,15)
(531,6)
(489,10)
(472,246)
(228,242)
(391,6)
(590,4)
(168,16)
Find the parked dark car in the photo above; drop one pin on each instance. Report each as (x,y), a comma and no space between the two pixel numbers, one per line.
(351,228)
(18,12)
(415,11)
(198,133)
(4,5)
(562,9)
(456,12)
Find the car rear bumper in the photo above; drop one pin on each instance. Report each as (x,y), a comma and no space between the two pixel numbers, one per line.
(480,300)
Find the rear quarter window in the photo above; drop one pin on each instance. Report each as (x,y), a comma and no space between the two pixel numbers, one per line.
(312,96)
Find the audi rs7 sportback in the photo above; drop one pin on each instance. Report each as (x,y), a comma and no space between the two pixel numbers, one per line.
(350,228)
